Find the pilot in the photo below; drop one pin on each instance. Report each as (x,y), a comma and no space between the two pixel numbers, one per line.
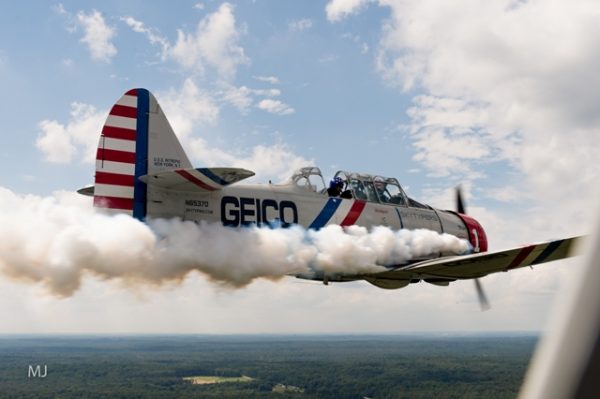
(382,193)
(335,187)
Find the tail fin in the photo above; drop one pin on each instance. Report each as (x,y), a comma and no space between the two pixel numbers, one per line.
(136,140)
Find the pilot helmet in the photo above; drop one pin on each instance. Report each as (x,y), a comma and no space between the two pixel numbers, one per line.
(336,182)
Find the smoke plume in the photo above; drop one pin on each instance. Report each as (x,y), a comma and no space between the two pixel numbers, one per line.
(56,241)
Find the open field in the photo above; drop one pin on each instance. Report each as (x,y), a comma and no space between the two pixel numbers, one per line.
(209,379)
(388,366)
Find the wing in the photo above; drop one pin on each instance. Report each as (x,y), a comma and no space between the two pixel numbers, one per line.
(451,268)
(201,179)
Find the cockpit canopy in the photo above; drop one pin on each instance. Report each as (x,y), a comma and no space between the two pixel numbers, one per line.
(379,189)
(309,178)
(385,190)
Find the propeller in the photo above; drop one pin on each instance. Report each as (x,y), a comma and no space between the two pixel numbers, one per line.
(460,204)
(483,301)
(461,208)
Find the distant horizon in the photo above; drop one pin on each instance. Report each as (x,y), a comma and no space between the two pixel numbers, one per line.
(304,334)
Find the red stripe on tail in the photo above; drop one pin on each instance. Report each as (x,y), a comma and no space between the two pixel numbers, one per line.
(116,179)
(104,154)
(354,213)
(122,110)
(118,133)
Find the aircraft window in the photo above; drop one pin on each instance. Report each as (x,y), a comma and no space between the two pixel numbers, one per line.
(358,189)
(309,178)
(382,191)
(416,204)
(316,183)
(394,194)
(304,182)
(370,191)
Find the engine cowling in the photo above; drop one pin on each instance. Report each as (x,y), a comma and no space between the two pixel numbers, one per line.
(477,236)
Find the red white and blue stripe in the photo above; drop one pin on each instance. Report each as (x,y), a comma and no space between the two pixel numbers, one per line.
(203,178)
(122,156)
(332,207)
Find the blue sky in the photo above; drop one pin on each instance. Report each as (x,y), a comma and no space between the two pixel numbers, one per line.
(325,74)
(500,96)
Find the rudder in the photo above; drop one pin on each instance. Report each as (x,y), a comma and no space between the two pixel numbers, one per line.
(136,139)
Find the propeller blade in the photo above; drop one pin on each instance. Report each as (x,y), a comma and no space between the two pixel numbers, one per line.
(483,301)
(460,204)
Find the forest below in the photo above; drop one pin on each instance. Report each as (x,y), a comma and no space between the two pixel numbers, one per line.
(268,366)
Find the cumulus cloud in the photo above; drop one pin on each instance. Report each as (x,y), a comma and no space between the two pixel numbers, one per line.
(275,107)
(274,162)
(60,143)
(188,107)
(97,35)
(214,43)
(337,10)
(244,97)
(496,82)
(193,112)
(503,74)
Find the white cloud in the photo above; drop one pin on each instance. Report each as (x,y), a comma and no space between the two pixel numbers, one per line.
(55,142)
(188,107)
(445,153)
(514,85)
(240,97)
(60,143)
(199,6)
(300,25)
(269,79)
(243,97)
(97,36)
(275,107)
(337,10)
(214,43)
(153,37)
(274,162)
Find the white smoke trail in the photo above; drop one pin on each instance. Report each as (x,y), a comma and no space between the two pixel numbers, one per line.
(57,240)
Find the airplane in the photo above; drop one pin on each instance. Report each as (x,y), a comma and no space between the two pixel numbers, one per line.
(143,171)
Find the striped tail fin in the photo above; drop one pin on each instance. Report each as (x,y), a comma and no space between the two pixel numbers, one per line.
(136,140)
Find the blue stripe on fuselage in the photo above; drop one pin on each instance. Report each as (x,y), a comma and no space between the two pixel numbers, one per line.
(326,213)
(141,154)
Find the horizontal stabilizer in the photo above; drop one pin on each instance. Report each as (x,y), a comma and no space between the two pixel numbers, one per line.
(201,179)
(87,191)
